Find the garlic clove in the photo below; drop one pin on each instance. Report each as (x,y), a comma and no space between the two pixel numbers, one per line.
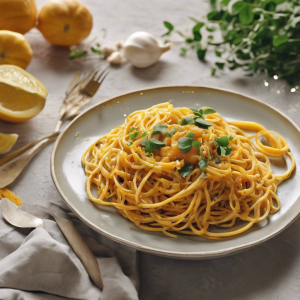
(116,58)
(108,50)
(120,44)
(143,50)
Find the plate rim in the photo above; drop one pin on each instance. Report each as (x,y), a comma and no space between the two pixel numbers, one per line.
(152,250)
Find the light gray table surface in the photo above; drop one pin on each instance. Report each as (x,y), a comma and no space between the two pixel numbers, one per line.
(269,271)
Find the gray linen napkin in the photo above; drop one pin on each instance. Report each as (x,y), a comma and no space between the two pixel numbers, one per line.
(39,263)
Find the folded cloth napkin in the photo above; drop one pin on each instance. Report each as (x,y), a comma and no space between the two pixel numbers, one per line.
(40,264)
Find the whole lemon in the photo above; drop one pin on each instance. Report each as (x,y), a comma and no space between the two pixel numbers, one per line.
(17,15)
(14,49)
(65,22)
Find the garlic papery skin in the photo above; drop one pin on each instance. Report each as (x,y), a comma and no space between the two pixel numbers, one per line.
(108,50)
(116,58)
(143,50)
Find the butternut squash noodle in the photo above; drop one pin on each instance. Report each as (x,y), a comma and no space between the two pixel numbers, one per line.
(163,172)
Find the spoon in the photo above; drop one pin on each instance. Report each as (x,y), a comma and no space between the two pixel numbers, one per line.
(19,218)
(23,219)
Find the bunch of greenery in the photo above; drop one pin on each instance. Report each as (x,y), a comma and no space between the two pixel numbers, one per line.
(258,36)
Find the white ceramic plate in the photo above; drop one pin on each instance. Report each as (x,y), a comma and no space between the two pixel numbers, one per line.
(69,178)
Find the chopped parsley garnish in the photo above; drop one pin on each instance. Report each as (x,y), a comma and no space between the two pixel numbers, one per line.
(152,144)
(129,143)
(230,138)
(171,132)
(186,170)
(145,133)
(132,136)
(223,148)
(203,163)
(160,128)
(203,175)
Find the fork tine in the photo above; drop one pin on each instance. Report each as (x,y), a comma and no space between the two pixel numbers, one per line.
(98,76)
(100,82)
(93,85)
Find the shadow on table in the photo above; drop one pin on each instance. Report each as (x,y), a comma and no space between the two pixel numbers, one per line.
(151,73)
(259,273)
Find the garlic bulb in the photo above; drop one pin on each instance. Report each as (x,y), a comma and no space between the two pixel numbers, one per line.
(143,50)
(116,58)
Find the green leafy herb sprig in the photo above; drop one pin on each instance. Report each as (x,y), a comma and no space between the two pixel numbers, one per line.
(77,53)
(199,117)
(258,36)
(223,145)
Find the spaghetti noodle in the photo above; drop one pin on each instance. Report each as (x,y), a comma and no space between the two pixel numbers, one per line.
(181,170)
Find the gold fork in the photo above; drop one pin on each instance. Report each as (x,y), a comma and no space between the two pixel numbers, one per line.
(79,93)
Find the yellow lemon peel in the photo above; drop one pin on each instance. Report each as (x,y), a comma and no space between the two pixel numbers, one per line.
(22,96)
(7,141)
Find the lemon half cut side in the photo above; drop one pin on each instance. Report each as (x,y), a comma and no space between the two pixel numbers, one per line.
(22,96)
(7,141)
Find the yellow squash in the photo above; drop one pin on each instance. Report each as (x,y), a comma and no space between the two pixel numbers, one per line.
(14,49)
(65,22)
(17,15)
(22,96)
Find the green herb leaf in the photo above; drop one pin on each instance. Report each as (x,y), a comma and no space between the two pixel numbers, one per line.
(196,144)
(203,175)
(203,163)
(196,31)
(95,50)
(280,39)
(220,65)
(187,120)
(246,15)
(129,143)
(228,150)
(222,141)
(221,151)
(183,52)
(237,7)
(160,128)
(152,144)
(230,138)
(213,71)
(185,144)
(170,28)
(190,134)
(144,134)
(74,54)
(201,52)
(202,123)
(186,170)
(208,111)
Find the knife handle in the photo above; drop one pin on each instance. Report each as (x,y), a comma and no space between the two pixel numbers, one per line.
(81,249)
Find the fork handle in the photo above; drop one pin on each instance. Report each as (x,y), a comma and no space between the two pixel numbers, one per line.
(10,157)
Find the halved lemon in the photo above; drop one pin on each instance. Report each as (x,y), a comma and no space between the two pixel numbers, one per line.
(22,96)
(7,141)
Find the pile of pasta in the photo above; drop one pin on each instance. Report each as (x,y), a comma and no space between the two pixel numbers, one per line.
(150,191)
